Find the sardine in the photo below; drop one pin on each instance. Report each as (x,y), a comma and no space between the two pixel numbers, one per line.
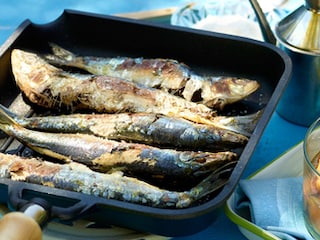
(152,129)
(51,87)
(165,74)
(103,155)
(78,178)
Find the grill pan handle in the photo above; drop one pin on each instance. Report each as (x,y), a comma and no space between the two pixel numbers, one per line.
(32,223)
(17,201)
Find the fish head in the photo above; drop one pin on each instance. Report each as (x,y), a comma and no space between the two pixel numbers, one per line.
(227,90)
(32,74)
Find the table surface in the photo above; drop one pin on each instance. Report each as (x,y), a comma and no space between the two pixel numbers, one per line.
(278,136)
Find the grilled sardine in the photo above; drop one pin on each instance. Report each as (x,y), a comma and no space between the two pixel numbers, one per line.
(103,155)
(51,87)
(151,129)
(165,74)
(77,177)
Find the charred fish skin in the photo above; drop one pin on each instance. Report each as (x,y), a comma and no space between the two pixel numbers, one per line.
(152,129)
(166,74)
(51,87)
(106,155)
(78,178)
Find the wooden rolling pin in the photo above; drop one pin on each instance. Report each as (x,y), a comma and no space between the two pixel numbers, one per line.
(23,225)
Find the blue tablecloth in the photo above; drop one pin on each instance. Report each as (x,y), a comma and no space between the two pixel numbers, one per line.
(278,136)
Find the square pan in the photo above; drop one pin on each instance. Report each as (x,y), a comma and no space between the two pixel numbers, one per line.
(205,52)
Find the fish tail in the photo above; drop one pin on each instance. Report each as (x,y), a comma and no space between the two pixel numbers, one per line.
(61,56)
(244,125)
(8,112)
(61,52)
(214,181)
(11,118)
(7,118)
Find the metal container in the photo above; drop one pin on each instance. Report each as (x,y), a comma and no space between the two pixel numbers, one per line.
(205,52)
(298,35)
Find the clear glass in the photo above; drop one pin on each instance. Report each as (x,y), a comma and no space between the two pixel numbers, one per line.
(311,183)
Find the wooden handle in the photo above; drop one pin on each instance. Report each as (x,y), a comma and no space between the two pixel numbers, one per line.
(19,226)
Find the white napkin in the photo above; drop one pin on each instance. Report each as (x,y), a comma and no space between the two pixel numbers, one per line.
(275,205)
(231,24)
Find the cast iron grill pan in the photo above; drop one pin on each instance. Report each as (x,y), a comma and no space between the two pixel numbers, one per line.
(205,52)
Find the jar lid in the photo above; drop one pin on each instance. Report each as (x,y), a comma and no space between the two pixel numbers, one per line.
(301,29)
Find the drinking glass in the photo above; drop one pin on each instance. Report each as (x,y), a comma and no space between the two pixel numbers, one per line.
(311,182)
